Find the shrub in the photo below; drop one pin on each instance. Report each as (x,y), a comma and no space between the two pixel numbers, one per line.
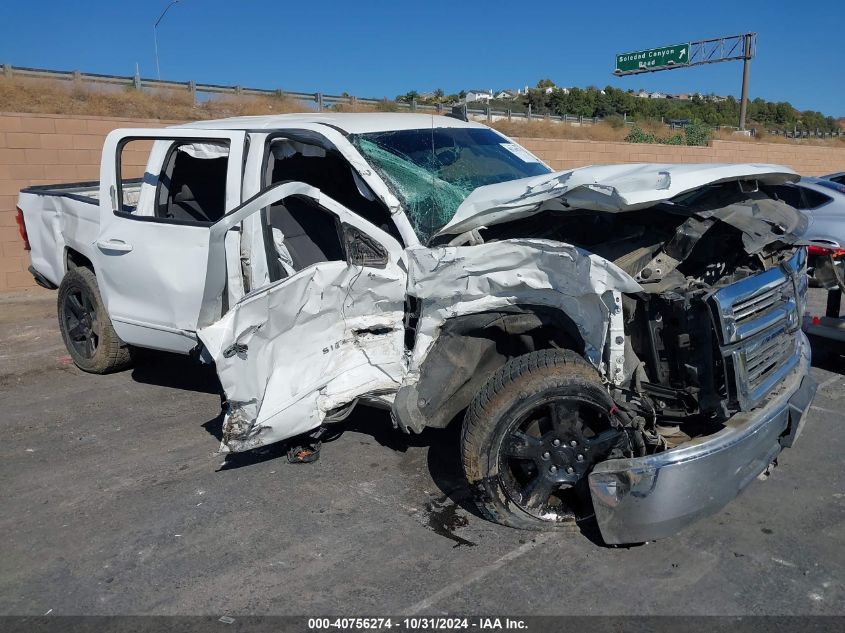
(638,135)
(697,133)
(694,134)
(386,105)
(615,121)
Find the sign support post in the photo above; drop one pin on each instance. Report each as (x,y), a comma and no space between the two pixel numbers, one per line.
(746,62)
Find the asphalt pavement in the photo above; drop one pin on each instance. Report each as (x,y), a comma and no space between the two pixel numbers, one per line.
(114,501)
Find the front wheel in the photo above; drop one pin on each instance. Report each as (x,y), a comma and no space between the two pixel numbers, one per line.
(86,328)
(532,435)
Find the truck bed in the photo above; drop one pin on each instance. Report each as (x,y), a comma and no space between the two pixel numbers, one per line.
(63,216)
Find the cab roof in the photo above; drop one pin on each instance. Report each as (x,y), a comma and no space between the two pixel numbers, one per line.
(351,123)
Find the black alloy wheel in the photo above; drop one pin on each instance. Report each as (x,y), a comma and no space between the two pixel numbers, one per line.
(81,325)
(548,452)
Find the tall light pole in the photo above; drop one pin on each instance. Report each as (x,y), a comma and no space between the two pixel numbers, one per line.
(155,34)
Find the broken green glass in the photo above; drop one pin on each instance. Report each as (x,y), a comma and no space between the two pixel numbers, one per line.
(432,171)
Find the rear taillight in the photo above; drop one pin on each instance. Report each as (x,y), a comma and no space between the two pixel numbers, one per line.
(824,252)
(22,229)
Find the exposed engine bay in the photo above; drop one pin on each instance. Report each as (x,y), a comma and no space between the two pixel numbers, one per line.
(681,361)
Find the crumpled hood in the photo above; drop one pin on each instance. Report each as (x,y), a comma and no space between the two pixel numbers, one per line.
(601,188)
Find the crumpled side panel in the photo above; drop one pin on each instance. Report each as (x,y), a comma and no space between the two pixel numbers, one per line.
(457,280)
(306,346)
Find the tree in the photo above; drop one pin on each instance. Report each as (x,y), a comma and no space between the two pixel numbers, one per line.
(408,97)
(615,102)
(545,83)
(536,100)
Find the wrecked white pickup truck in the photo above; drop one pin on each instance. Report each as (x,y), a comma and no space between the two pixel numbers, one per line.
(622,341)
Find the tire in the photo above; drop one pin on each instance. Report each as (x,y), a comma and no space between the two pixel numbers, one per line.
(829,273)
(838,267)
(539,423)
(86,328)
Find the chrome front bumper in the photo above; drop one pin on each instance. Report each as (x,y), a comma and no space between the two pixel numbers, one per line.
(646,498)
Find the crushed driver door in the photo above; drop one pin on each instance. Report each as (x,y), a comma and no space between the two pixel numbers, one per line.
(327,332)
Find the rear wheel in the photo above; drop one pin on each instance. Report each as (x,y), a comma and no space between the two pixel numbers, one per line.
(86,328)
(532,435)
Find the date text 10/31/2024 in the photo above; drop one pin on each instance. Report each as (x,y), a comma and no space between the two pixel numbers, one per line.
(417,623)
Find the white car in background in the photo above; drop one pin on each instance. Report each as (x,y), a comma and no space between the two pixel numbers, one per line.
(838,177)
(823,201)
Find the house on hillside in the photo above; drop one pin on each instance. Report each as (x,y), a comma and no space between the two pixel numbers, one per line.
(711,97)
(507,95)
(478,95)
(645,94)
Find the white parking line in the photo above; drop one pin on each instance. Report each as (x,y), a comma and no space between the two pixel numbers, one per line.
(829,411)
(829,381)
(478,574)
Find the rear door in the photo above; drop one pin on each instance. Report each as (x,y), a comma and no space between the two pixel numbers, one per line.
(326,332)
(151,254)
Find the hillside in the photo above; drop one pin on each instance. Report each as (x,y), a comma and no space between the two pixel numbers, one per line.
(63,97)
(612,102)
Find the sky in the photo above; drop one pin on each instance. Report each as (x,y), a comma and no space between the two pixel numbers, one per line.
(379,49)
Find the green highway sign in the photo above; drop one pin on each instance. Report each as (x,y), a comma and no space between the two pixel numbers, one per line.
(652,59)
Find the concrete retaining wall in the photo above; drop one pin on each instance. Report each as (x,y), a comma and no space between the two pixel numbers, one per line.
(807,160)
(49,148)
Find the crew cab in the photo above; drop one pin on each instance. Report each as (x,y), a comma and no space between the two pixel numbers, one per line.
(619,341)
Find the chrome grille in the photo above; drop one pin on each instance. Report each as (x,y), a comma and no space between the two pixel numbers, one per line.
(759,322)
(759,305)
(761,360)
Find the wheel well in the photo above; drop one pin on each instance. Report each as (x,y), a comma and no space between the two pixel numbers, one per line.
(470,348)
(75,259)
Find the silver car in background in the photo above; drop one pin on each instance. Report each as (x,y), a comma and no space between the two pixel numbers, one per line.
(838,177)
(823,201)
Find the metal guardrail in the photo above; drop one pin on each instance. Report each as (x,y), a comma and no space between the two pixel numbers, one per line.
(322,101)
(796,133)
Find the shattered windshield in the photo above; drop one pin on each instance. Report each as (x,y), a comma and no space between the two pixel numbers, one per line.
(433,170)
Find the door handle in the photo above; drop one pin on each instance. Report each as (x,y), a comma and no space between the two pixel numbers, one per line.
(114,245)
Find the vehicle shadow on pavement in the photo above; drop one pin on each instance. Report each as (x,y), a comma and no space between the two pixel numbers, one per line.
(828,355)
(175,371)
(442,458)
